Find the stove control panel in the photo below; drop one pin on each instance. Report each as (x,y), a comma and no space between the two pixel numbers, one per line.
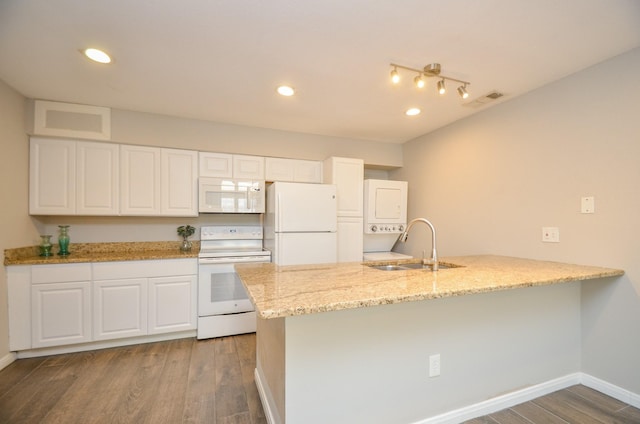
(384,228)
(231,232)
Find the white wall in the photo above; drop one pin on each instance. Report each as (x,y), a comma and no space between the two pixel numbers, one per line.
(16,227)
(490,182)
(371,364)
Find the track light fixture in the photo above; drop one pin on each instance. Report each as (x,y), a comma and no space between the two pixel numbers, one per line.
(431,70)
(395,77)
(462,91)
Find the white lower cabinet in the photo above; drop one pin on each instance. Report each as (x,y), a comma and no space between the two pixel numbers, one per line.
(172,304)
(119,308)
(64,304)
(60,313)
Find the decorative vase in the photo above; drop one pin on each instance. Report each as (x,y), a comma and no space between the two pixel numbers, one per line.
(186,245)
(63,240)
(45,245)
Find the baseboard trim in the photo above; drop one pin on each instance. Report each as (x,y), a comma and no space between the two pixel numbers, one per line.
(7,359)
(501,402)
(609,389)
(267,401)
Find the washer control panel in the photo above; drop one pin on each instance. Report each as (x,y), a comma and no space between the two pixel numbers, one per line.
(384,228)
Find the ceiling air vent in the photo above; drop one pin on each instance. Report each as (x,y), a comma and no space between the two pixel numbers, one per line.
(483,100)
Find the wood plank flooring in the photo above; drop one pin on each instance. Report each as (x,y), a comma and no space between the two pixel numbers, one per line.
(573,405)
(209,381)
(180,381)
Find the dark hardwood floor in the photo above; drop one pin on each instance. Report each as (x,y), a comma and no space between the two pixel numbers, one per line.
(180,381)
(209,381)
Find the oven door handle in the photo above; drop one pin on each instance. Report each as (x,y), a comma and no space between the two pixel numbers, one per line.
(232,260)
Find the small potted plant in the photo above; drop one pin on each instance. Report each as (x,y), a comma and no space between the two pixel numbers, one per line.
(186,231)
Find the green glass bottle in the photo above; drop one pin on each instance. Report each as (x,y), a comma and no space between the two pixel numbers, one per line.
(63,240)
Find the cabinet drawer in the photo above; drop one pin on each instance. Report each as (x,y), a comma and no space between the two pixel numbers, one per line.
(144,269)
(60,273)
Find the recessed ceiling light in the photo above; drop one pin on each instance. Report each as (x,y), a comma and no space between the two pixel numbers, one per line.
(413,111)
(285,90)
(97,55)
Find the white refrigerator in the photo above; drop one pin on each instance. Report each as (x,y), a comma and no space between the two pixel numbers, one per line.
(300,223)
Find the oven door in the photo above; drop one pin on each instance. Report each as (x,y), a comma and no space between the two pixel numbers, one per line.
(220,290)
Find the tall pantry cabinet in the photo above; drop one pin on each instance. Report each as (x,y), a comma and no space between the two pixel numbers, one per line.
(348,176)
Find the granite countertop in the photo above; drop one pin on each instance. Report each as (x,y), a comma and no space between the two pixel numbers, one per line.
(102,252)
(282,291)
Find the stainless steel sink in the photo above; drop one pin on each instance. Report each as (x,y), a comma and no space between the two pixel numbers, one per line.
(407,267)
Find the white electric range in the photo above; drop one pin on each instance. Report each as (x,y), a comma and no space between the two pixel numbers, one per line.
(224,307)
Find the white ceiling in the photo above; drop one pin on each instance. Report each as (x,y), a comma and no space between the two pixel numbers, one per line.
(221,60)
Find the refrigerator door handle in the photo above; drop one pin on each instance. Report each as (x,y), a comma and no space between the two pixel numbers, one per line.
(278,213)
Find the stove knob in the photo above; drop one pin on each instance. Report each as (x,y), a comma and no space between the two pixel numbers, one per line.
(374,228)
(401,228)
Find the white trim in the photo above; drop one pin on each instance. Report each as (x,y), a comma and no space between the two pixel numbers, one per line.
(609,389)
(7,359)
(266,399)
(501,402)
(33,353)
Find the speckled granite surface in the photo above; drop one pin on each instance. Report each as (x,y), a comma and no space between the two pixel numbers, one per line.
(102,252)
(307,289)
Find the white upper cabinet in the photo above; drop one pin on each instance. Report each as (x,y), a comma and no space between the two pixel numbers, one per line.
(179,187)
(139,180)
(307,171)
(158,182)
(52,177)
(97,187)
(278,169)
(249,167)
(69,177)
(218,165)
(224,165)
(296,170)
(348,176)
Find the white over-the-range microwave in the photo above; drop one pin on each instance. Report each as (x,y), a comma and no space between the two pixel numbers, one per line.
(228,195)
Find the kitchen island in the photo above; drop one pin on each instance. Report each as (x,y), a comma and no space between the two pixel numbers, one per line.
(349,343)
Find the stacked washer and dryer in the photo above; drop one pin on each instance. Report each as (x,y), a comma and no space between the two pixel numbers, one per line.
(385,218)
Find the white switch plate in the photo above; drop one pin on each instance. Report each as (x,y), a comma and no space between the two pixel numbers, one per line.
(551,234)
(434,365)
(588,205)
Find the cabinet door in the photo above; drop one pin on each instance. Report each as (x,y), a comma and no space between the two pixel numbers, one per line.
(97,190)
(60,313)
(350,239)
(119,308)
(52,177)
(179,188)
(139,180)
(172,304)
(279,169)
(307,171)
(218,165)
(250,167)
(348,176)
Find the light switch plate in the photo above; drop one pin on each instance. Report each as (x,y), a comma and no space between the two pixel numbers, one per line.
(588,205)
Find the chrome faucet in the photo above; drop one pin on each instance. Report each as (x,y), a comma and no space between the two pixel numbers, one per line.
(433,262)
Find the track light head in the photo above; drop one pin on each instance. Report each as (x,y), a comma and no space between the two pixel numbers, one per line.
(395,76)
(441,87)
(462,91)
(419,81)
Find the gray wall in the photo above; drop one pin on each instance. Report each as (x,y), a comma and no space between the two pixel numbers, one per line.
(490,182)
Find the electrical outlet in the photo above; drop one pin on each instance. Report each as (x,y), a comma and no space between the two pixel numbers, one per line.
(551,234)
(434,365)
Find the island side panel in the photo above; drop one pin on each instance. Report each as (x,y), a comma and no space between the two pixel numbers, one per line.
(371,364)
(270,366)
